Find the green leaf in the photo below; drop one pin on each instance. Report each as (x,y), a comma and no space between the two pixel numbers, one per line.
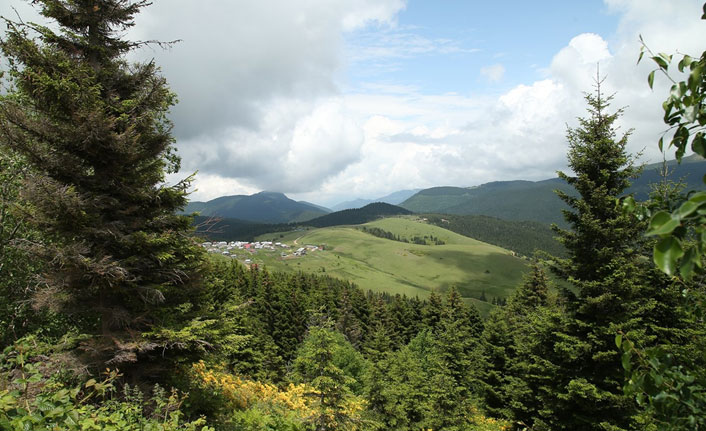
(698,198)
(619,340)
(666,253)
(661,62)
(695,78)
(685,61)
(686,209)
(629,205)
(698,145)
(690,113)
(675,92)
(662,223)
(651,78)
(687,266)
(627,366)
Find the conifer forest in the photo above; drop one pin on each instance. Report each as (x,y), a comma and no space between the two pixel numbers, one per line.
(114,317)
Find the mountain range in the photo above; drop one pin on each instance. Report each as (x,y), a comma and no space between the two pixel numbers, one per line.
(508,200)
(395,198)
(263,207)
(536,200)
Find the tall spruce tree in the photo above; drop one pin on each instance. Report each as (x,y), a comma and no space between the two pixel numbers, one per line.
(94,128)
(606,273)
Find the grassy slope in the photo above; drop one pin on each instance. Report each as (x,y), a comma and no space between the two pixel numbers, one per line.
(390,266)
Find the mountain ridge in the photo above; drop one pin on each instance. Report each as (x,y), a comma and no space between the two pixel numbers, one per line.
(522,200)
(262,207)
(394,198)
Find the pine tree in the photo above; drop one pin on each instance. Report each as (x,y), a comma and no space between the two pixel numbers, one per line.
(95,130)
(322,361)
(518,345)
(398,388)
(432,311)
(599,230)
(458,347)
(607,273)
(348,323)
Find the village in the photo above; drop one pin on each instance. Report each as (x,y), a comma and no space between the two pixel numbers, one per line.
(230,249)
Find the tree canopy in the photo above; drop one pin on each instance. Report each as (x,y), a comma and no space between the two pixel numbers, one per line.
(94,129)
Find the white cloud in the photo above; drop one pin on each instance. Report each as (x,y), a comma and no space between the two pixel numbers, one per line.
(261,105)
(421,140)
(493,73)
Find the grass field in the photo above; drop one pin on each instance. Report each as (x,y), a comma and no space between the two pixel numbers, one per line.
(473,267)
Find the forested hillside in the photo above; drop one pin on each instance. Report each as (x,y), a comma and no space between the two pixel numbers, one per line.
(113,317)
(362,215)
(536,200)
(522,237)
(263,207)
(228,229)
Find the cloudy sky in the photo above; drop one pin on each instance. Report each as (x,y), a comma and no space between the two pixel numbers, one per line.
(330,100)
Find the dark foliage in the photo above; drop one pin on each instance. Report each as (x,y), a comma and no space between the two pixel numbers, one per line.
(263,207)
(522,237)
(94,130)
(366,214)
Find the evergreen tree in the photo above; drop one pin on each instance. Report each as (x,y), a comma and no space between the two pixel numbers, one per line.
(94,129)
(458,347)
(519,347)
(606,271)
(533,293)
(17,267)
(398,388)
(348,323)
(328,363)
(432,311)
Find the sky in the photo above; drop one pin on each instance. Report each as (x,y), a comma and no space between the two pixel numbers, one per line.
(332,100)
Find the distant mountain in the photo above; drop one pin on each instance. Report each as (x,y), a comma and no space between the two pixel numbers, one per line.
(355,203)
(263,207)
(395,198)
(690,172)
(508,200)
(366,214)
(536,200)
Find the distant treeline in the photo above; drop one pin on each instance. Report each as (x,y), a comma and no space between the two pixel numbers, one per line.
(226,229)
(382,233)
(366,214)
(522,237)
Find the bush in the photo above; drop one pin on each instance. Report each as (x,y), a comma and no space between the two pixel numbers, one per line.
(29,400)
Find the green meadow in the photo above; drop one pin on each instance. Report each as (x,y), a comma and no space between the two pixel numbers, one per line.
(381,265)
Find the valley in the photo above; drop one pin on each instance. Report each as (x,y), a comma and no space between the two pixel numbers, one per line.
(477,269)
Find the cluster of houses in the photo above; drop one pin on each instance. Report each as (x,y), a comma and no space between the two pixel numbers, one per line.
(228,248)
(301,251)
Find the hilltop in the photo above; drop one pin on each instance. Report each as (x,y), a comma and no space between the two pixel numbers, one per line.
(394,198)
(536,200)
(263,207)
(362,215)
